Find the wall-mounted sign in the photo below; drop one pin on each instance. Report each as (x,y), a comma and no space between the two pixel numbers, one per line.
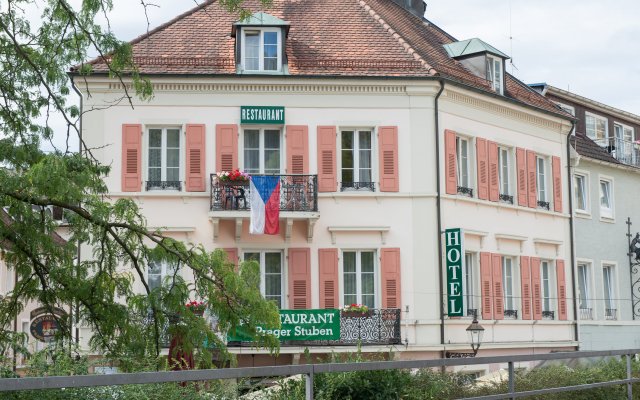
(454,256)
(261,115)
(44,327)
(299,325)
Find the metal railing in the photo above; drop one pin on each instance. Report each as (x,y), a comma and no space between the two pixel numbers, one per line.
(611,314)
(465,191)
(367,186)
(164,185)
(586,313)
(374,327)
(309,371)
(297,193)
(625,151)
(548,315)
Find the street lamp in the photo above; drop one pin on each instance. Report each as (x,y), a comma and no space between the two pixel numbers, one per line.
(475,332)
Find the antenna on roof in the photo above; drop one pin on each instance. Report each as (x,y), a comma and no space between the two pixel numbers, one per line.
(513,66)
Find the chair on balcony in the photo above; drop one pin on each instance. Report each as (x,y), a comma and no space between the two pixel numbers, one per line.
(234,195)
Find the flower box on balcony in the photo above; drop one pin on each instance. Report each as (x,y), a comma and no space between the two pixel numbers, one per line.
(356,314)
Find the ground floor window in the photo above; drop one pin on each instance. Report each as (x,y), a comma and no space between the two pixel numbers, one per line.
(359,276)
(271,275)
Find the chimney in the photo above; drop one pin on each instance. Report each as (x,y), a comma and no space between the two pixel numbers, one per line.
(415,7)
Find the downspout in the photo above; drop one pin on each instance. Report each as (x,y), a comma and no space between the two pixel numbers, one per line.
(76,312)
(572,240)
(439,215)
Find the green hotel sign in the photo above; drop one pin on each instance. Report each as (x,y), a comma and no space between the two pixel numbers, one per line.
(455,266)
(261,115)
(299,325)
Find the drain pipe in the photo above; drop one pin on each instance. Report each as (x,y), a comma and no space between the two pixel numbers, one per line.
(439,216)
(572,240)
(77,304)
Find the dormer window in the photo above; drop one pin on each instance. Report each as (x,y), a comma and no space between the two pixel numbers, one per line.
(262,50)
(260,43)
(494,73)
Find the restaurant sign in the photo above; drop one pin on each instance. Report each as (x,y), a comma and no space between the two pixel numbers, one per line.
(262,115)
(454,251)
(298,325)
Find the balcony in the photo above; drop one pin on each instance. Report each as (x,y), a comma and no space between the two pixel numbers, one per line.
(625,151)
(376,327)
(586,313)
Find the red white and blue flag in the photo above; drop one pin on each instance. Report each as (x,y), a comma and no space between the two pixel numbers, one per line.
(265,205)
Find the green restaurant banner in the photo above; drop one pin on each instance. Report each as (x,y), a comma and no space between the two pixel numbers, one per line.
(299,325)
(455,267)
(262,115)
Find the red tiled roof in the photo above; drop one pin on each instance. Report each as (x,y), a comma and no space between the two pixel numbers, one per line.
(326,38)
(586,147)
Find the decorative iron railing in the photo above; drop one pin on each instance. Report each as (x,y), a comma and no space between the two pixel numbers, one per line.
(369,186)
(625,151)
(297,193)
(465,191)
(586,313)
(164,185)
(548,315)
(543,204)
(472,312)
(610,314)
(506,198)
(375,327)
(511,314)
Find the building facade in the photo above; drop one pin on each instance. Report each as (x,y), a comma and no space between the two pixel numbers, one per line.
(381,138)
(606,161)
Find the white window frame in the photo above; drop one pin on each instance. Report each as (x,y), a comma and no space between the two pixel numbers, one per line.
(596,117)
(606,214)
(611,302)
(261,148)
(586,211)
(497,83)
(548,294)
(587,282)
(624,127)
(509,164)
(470,277)
(261,31)
(459,156)
(163,156)
(509,299)
(356,156)
(283,273)
(376,275)
(544,179)
(165,271)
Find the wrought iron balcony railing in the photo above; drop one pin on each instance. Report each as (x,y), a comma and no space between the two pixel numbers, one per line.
(164,185)
(375,327)
(625,151)
(586,313)
(543,204)
(297,193)
(367,186)
(506,198)
(611,314)
(472,312)
(511,314)
(548,315)
(465,191)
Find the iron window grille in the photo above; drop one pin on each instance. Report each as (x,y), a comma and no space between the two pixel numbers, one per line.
(544,205)
(586,313)
(465,191)
(611,314)
(164,185)
(548,315)
(370,186)
(506,198)
(512,314)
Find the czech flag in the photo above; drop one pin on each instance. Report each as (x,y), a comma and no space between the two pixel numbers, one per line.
(265,205)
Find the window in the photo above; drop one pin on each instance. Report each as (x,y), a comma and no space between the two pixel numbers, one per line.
(469,290)
(356,149)
(262,151)
(359,278)
(271,276)
(623,132)
(624,148)
(546,286)
(608,280)
(597,127)
(541,182)
(462,150)
(508,278)
(163,166)
(581,191)
(261,50)
(606,199)
(504,176)
(494,73)
(159,271)
(583,291)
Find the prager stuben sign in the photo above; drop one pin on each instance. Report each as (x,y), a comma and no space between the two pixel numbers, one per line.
(454,257)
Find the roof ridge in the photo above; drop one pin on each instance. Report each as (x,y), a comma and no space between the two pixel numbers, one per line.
(408,48)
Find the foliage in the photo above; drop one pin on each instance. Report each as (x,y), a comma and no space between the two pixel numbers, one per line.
(37,53)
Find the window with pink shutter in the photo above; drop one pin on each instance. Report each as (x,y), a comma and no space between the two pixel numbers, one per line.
(327,173)
(328,269)
(536,287)
(272,284)
(388,158)
(562,290)
(523,189)
(131,158)
(226,147)
(486,285)
(297,138)
(532,191)
(557,184)
(390,272)
(195,138)
(450,162)
(299,278)
(525,280)
(498,290)
(494,181)
(482,157)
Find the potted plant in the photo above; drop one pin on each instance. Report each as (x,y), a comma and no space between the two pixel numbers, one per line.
(356,310)
(235,177)
(196,307)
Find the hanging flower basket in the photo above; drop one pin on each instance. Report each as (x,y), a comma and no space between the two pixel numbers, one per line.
(233,178)
(356,310)
(196,307)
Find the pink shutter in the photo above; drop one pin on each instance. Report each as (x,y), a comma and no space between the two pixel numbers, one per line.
(232,256)
(483,168)
(226,147)
(297,149)
(131,157)
(195,139)
(498,294)
(388,158)
(562,290)
(328,267)
(299,278)
(532,186)
(485,281)
(391,285)
(525,280)
(494,181)
(451,164)
(557,184)
(537,288)
(327,173)
(521,161)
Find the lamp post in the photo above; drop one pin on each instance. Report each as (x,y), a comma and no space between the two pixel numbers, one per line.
(475,332)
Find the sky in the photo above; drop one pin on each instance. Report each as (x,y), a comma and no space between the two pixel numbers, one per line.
(589,47)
